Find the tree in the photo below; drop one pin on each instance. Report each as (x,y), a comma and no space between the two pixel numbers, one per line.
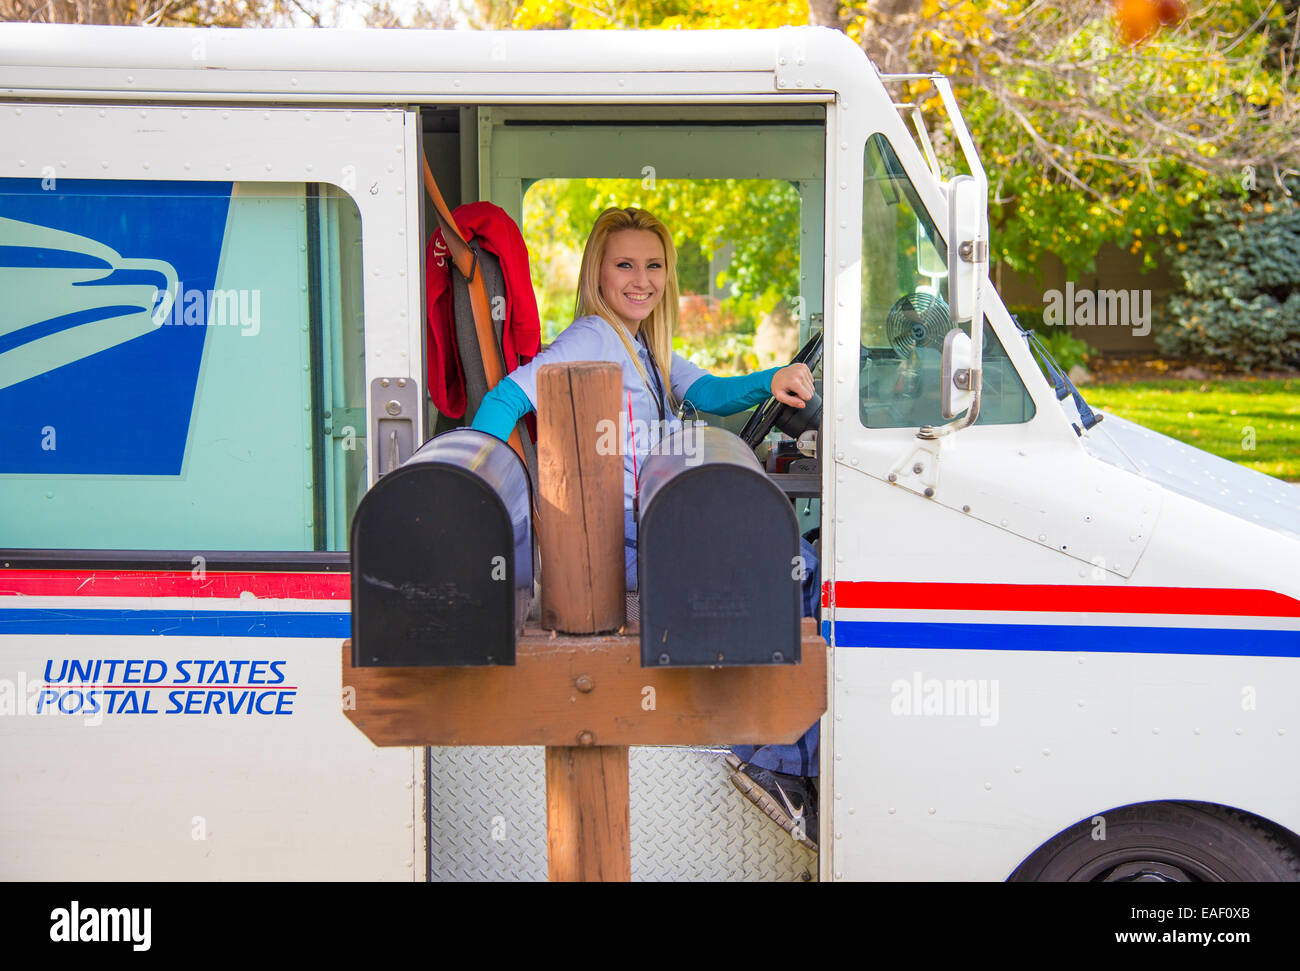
(1241,283)
(226,13)
(155,13)
(646,14)
(1087,137)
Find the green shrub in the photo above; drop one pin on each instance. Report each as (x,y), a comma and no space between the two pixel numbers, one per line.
(1240,302)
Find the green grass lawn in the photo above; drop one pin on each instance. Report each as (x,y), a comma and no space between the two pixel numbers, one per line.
(1220,416)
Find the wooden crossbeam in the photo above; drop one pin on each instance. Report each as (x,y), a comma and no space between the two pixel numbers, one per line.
(564,686)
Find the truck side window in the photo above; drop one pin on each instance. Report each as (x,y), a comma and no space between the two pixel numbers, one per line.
(169,354)
(905,310)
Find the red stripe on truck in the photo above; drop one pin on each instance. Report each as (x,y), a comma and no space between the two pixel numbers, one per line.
(179,583)
(1074,598)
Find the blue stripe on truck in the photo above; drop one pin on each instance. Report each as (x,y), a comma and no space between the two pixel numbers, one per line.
(1050,637)
(186,623)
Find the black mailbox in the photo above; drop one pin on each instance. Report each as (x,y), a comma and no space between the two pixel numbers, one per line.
(442,557)
(718,557)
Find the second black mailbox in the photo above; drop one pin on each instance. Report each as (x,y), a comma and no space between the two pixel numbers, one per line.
(718,557)
(442,557)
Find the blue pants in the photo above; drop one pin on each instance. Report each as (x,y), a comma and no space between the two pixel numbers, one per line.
(801,758)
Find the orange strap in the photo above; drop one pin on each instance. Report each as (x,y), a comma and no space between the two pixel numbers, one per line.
(467,264)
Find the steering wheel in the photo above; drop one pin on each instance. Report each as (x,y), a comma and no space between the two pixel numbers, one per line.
(776,412)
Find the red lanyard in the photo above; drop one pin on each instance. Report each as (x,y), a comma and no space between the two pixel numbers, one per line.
(636,485)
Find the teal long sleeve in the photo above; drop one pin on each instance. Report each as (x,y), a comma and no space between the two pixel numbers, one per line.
(726,396)
(500,409)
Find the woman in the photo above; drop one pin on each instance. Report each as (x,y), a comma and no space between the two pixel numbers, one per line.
(626,313)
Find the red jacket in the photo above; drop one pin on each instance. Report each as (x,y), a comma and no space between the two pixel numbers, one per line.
(522,333)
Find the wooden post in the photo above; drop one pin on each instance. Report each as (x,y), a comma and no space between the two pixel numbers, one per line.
(580,534)
(580,491)
(588,820)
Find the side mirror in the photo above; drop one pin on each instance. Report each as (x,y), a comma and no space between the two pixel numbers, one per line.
(968,260)
(968,246)
(956,393)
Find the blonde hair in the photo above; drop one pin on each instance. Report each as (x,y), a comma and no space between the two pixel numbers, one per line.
(659,326)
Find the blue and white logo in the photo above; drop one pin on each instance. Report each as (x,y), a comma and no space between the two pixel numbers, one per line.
(68,297)
(89,274)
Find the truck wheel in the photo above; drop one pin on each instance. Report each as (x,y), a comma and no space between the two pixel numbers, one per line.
(1165,842)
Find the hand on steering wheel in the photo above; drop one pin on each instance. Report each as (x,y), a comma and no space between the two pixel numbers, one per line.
(774,410)
(793,385)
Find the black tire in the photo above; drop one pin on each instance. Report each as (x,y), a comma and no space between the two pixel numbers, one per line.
(1166,842)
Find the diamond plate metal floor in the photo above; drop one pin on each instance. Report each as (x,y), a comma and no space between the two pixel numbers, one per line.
(487,819)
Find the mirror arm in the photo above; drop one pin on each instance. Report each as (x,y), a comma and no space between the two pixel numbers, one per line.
(967,419)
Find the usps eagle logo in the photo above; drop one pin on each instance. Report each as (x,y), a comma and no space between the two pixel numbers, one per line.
(68,297)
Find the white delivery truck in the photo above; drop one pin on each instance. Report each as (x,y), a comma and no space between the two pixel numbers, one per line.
(1059,649)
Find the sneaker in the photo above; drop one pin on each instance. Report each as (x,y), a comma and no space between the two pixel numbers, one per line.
(790,801)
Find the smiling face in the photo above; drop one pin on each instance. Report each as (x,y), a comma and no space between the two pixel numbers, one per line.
(633,274)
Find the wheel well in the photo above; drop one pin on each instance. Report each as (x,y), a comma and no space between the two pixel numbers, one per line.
(1286,840)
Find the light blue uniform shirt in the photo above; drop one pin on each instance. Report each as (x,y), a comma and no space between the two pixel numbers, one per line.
(638,426)
(592,339)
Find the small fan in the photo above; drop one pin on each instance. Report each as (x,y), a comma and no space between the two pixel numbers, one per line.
(917,320)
